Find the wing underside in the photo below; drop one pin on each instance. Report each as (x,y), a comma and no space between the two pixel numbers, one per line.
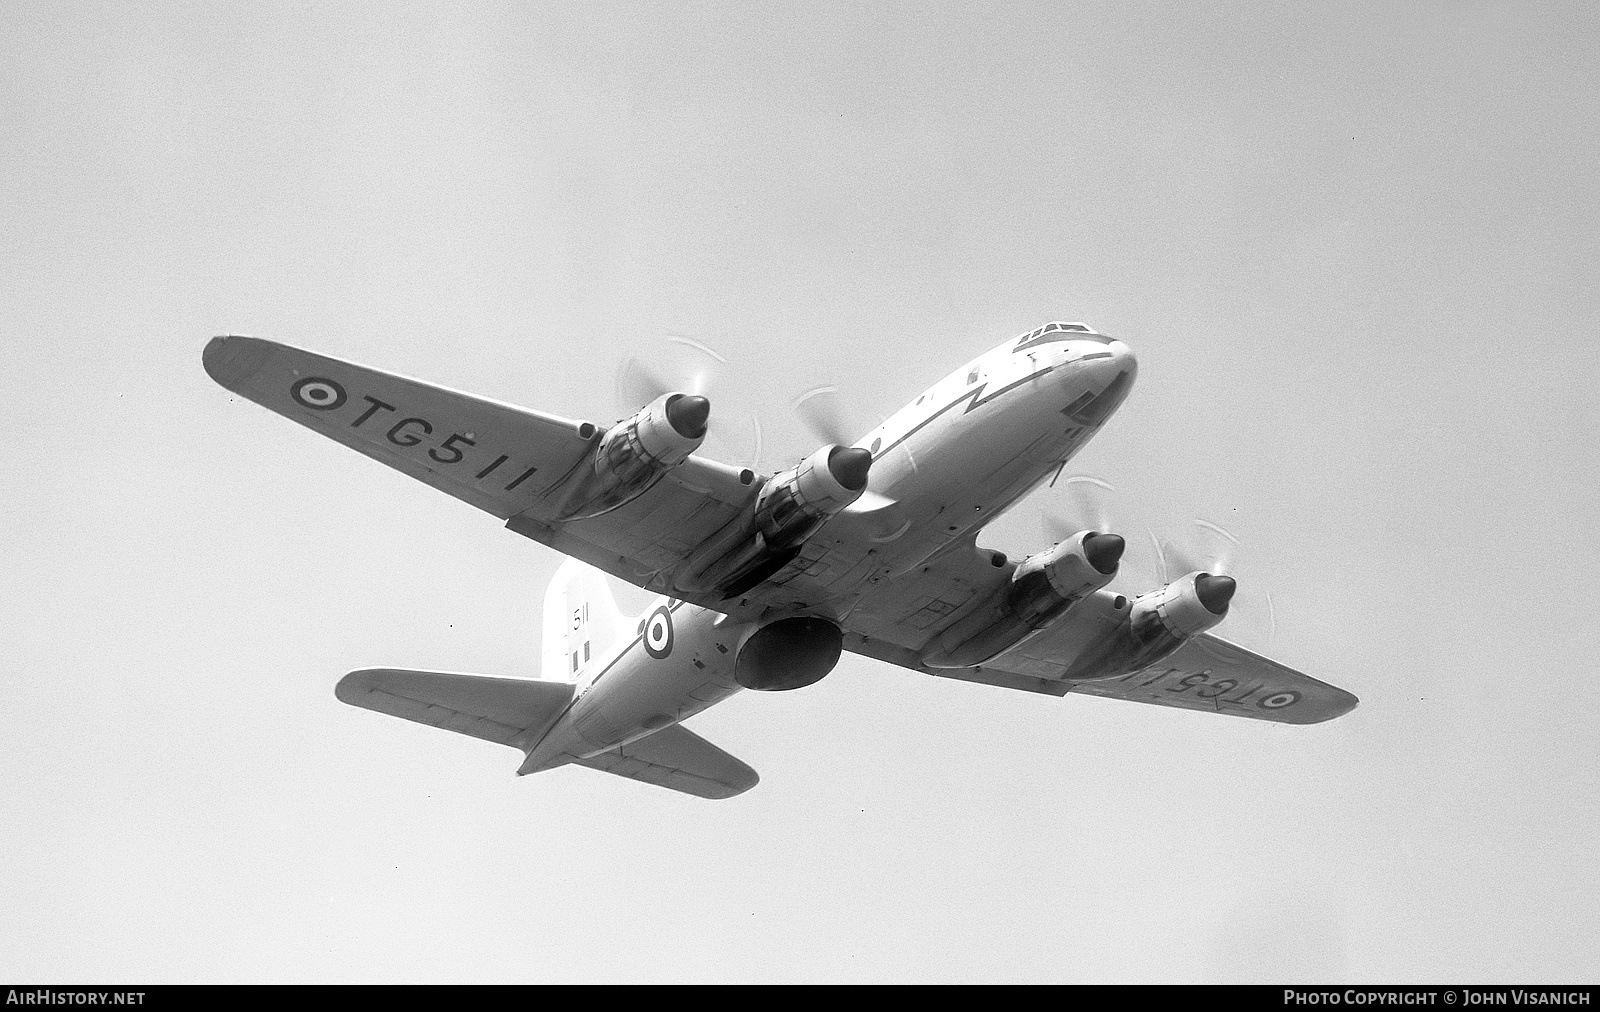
(517,464)
(1210,674)
(1206,673)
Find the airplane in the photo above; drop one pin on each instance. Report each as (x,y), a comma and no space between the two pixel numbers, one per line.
(766,579)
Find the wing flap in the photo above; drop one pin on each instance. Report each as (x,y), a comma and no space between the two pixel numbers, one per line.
(508,711)
(678,759)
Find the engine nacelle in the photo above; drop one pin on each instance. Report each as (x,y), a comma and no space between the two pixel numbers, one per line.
(1158,623)
(788,654)
(1048,583)
(791,505)
(638,451)
(1186,606)
(1043,587)
(795,502)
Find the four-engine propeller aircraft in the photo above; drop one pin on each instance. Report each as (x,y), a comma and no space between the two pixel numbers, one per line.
(765,579)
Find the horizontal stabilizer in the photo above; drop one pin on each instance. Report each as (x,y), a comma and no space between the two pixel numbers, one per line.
(677,758)
(508,711)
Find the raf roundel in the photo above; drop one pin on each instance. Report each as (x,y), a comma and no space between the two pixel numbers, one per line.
(318,394)
(1279,700)
(658,634)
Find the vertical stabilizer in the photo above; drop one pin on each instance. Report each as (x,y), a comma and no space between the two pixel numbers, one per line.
(581,623)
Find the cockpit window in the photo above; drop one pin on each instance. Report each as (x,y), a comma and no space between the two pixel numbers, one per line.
(1053,332)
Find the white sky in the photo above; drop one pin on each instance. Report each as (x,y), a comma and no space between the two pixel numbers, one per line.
(1355,250)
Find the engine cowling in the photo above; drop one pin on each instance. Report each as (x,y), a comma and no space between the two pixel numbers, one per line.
(1186,606)
(1048,583)
(1158,623)
(1044,586)
(638,451)
(788,654)
(791,505)
(795,502)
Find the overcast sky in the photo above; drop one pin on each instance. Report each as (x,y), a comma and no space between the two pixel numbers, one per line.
(1355,249)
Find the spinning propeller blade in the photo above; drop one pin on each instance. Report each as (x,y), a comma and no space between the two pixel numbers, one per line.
(820,410)
(1212,549)
(691,367)
(1088,508)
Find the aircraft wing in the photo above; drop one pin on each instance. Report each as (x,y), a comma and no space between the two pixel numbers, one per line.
(508,461)
(1206,673)
(677,758)
(1211,674)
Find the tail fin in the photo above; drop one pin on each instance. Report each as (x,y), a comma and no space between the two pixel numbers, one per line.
(581,622)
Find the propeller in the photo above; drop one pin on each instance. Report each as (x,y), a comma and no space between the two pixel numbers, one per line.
(693,367)
(1206,548)
(1089,509)
(690,367)
(821,412)
(1212,550)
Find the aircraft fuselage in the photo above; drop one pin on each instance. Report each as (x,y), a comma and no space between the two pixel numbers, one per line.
(958,455)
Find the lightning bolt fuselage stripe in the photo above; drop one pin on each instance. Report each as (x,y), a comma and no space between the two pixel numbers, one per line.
(976,400)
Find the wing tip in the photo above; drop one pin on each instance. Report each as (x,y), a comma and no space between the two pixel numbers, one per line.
(744,783)
(230,358)
(1338,703)
(722,790)
(356,684)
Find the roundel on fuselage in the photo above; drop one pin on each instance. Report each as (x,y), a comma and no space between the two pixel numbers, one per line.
(658,633)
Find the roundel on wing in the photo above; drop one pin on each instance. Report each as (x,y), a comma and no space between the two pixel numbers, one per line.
(318,394)
(658,633)
(1279,700)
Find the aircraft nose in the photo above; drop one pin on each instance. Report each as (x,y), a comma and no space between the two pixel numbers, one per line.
(1105,359)
(1104,373)
(1112,358)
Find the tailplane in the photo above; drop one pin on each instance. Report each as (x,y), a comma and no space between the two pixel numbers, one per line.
(510,711)
(680,760)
